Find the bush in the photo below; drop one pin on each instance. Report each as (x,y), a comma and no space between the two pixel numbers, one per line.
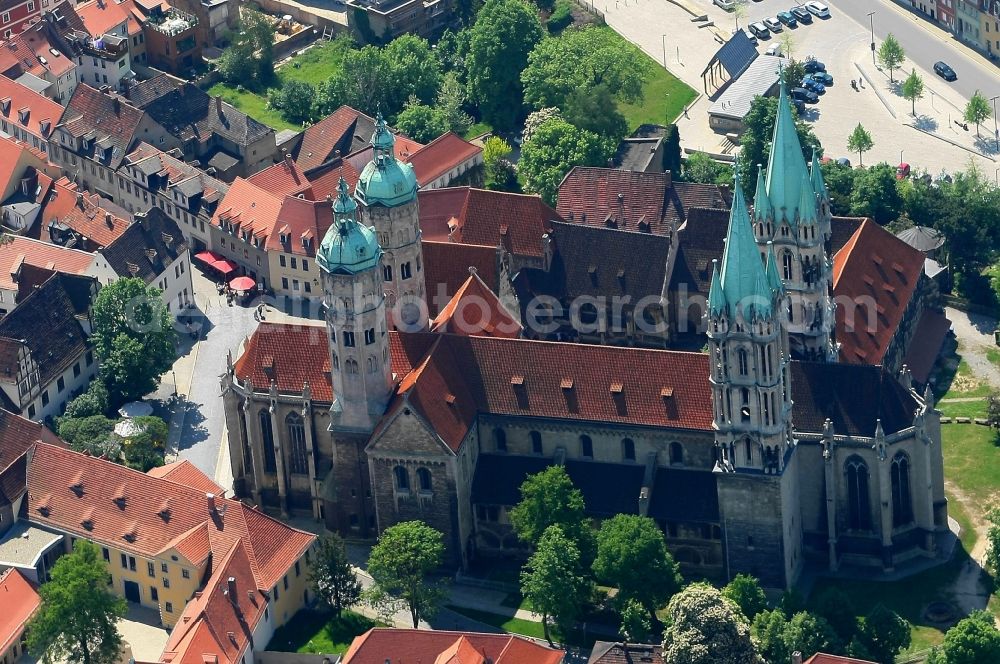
(561,18)
(92,402)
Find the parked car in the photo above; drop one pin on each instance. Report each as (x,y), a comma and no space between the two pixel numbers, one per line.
(728,5)
(844,161)
(808,96)
(773,24)
(818,9)
(812,65)
(787,19)
(821,76)
(944,71)
(800,106)
(773,49)
(802,14)
(753,40)
(902,171)
(760,30)
(813,85)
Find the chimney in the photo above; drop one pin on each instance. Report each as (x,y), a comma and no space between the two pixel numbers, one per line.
(210,498)
(231,584)
(796,657)
(218,106)
(79,199)
(109,220)
(116,104)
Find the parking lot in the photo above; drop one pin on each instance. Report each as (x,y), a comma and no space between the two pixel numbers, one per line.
(662,29)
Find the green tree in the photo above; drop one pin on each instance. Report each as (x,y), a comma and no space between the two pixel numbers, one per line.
(977,110)
(839,181)
(413,70)
(450,99)
(553,581)
(549,498)
(500,174)
(237,67)
(672,150)
(768,631)
(92,402)
(295,99)
(554,149)
(755,142)
(421,123)
(595,110)
(400,564)
(144,449)
(837,608)
(635,625)
(581,60)
(993,535)
(745,592)
(360,82)
(504,33)
(451,50)
(891,54)
(703,627)
(795,71)
(332,578)
(134,338)
(913,89)
(699,167)
(808,633)
(860,141)
(249,59)
(78,617)
(632,555)
(974,640)
(90,434)
(876,194)
(884,633)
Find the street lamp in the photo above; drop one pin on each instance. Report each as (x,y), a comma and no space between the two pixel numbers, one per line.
(871,21)
(901,156)
(174,374)
(664,51)
(996,132)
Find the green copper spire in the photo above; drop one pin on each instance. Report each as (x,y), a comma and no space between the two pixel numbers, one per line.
(348,247)
(716,298)
(807,201)
(761,205)
(816,175)
(773,276)
(385,180)
(743,281)
(785,165)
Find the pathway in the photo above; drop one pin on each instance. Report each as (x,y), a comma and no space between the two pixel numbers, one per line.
(975,336)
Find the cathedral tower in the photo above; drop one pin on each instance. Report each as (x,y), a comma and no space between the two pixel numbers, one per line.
(387,191)
(792,210)
(350,261)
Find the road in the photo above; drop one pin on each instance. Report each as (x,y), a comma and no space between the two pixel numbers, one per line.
(924,45)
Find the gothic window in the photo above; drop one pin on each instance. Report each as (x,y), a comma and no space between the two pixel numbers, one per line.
(767,410)
(402,478)
(369,336)
(786,265)
(628,449)
(387,272)
(586,447)
(748,451)
(267,438)
(405,271)
(676,454)
(335,363)
(902,507)
(424,480)
(763,361)
(372,364)
(297,440)
(348,338)
(536,442)
(351,366)
(858,506)
(745,405)
(500,440)
(743,362)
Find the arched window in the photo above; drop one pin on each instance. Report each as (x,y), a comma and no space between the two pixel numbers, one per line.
(902,507)
(742,362)
(676,454)
(786,265)
(744,404)
(536,442)
(858,506)
(402,478)
(499,440)
(335,362)
(628,449)
(387,272)
(748,451)
(424,480)
(352,367)
(267,440)
(297,441)
(586,447)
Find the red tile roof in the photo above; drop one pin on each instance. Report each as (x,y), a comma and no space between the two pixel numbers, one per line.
(81,211)
(303,223)
(321,139)
(444,153)
(325,180)
(479,216)
(135,512)
(17,434)
(379,645)
(926,344)
(25,108)
(250,208)
(18,250)
(19,601)
(101,16)
(284,179)
(22,53)
(475,310)
(874,277)
(822,658)
(186,473)
(109,118)
(446,267)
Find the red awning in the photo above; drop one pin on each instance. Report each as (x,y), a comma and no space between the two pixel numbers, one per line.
(208,257)
(242,284)
(225,266)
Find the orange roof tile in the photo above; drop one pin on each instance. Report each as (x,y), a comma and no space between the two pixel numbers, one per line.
(320,140)
(102,16)
(186,473)
(284,179)
(874,276)
(19,601)
(326,179)
(444,153)
(446,268)
(75,208)
(18,250)
(17,434)
(475,310)
(823,658)
(378,645)
(11,151)
(25,108)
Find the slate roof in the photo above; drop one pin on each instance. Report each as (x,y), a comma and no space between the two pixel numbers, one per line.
(735,55)
(190,113)
(147,247)
(52,307)
(607,488)
(447,151)
(344,131)
(446,267)
(684,495)
(926,344)
(922,238)
(107,119)
(874,266)
(605,652)
(19,250)
(20,601)
(852,396)
(701,240)
(499,477)
(25,108)
(486,218)
(589,195)
(380,645)
(165,172)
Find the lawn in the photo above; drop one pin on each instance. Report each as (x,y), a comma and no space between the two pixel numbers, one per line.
(972,461)
(314,66)
(664,97)
(522,627)
(315,632)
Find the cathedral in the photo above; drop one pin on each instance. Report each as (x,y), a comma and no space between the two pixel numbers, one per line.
(761,455)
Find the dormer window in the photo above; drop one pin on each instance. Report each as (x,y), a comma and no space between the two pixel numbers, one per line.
(22,115)
(283,238)
(45,126)
(5,105)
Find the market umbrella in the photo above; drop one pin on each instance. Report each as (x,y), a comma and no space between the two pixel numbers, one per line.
(225,266)
(135,409)
(242,283)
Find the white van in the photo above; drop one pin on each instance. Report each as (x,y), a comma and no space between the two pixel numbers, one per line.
(728,5)
(818,9)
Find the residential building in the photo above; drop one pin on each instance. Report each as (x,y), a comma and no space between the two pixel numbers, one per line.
(117,18)
(171,35)
(42,372)
(967,22)
(34,59)
(149,177)
(19,251)
(946,13)
(20,601)
(426,18)
(25,178)
(643,150)
(605,652)
(447,161)
(225,141)
(26,115)
(215,18)
(73,218)
(96,35)
(380,645)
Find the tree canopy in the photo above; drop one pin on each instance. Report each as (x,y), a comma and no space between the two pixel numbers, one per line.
(706,628)
(332,578)
(913,89)
(78,617)
(977,110)
(755,143)
(876,194)
(891,54)
(90,434)
(974,640)
(553,581)
(883,633)
(553,150)
(249,59)
(549,498)
(632,555)
(745,592)
(144,449)
(420,122)
(860,141)
(400,565)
